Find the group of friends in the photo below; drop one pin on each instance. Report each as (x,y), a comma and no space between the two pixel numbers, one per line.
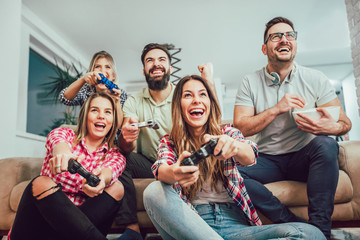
(218,198)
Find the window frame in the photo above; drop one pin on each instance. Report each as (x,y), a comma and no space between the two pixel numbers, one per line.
(35,34)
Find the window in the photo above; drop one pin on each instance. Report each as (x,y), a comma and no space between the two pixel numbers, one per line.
(43,112)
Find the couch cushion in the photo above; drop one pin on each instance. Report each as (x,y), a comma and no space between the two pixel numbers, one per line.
(140,185)
(16,193)
(292,193)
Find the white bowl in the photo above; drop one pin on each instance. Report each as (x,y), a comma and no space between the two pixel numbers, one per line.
(334,111)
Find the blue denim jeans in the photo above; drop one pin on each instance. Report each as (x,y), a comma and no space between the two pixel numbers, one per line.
(172,217)
(176,220)
(230,222)
(316,164)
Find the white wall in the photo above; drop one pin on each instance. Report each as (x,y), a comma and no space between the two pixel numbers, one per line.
(351,106)
(229,102)
(10,12)
(20,26)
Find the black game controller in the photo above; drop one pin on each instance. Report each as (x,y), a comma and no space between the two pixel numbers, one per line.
(75,167)
(109,84)
(206,150)
(150,123)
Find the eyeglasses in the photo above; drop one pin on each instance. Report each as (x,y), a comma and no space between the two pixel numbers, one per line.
(276,37)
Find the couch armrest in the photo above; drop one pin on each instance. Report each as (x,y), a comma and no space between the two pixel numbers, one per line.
(349,162)
(12,172)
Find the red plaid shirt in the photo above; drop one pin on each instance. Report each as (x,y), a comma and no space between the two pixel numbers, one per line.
(72,183)
(234,184)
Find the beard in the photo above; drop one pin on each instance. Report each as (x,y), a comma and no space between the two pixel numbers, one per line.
(157,84)
(290,59)
(275,58)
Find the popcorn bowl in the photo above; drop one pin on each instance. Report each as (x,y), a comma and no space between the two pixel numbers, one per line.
(334,111)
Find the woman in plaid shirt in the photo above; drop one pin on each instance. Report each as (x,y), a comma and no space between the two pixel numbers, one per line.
(61,205)
(214,188)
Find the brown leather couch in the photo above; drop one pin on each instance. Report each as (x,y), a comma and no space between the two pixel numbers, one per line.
(15,174)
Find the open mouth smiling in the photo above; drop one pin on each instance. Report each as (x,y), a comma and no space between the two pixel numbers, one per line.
(157,72)
(197,112)
(284,49)
(100,126)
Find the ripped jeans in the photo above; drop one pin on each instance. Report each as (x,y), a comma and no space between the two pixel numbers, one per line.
(56,217)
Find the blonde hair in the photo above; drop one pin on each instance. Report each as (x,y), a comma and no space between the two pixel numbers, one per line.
(184,140)
(103,54)
(81,129)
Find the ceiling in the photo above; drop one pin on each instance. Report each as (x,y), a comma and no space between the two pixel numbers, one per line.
(227,33)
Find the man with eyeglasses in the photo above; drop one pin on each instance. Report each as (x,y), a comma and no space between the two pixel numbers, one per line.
(264,105)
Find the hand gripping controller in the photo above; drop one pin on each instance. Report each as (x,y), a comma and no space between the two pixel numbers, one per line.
(150,123)
(75,167)
(109,84)
(206,150)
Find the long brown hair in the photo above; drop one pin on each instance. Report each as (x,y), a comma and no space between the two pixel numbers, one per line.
(82,131)
(184,139)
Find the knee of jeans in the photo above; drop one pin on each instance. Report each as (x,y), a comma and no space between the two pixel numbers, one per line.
(257,190)
(116,190)
(156,194)
(308,231)
(326,143)
(149,196)
(43,186)
(327,146)
(151,192)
